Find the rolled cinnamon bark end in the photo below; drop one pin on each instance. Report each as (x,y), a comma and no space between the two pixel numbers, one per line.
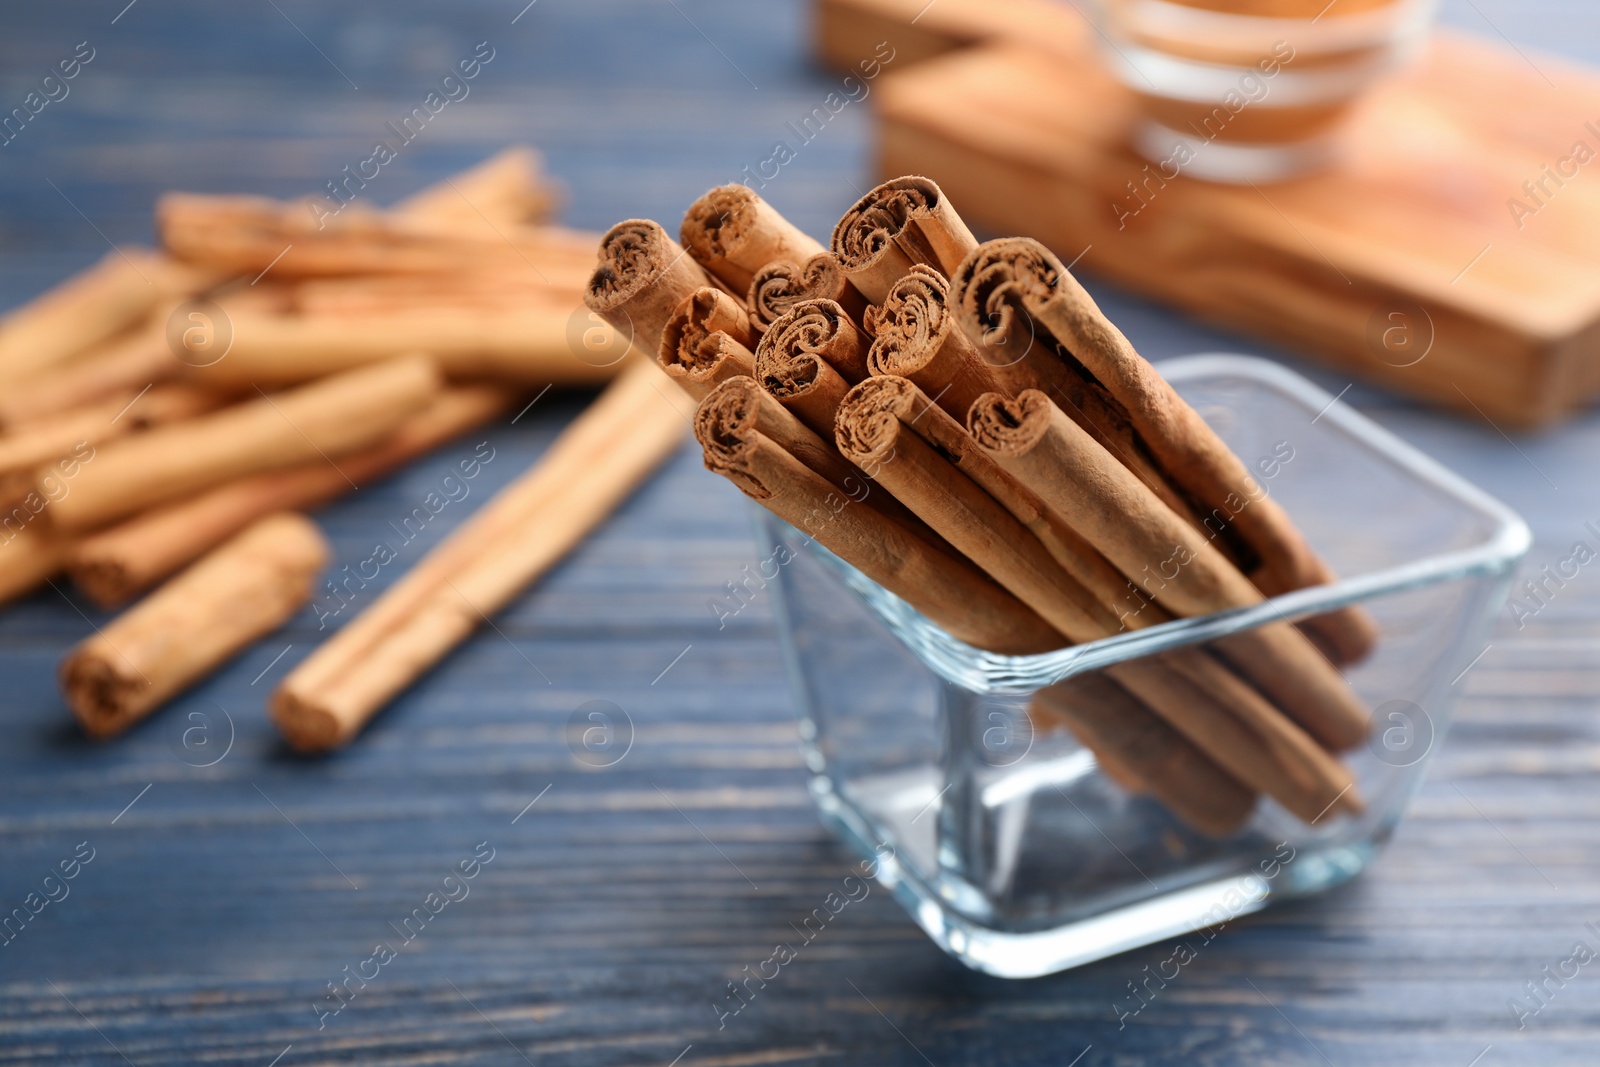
(642,277)
(320,421)
(733,233)
(246,588)
(1001,278)
(914,336)
(806,360)
(901,223)
(739,407)
(1131,742)
(707,340)
(871,431)
(951,592)
(1170,560)
(114,565)
(782,284)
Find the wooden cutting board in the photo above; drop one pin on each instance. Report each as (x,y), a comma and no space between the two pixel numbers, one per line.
(1421,261)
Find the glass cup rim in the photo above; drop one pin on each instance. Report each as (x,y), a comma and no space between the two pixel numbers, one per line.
(982,671)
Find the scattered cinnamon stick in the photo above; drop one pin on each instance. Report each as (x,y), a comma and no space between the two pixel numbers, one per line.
(898,225)
(322,420)
(531,346)
(782,284)
(508,187)
(518,535)
(243,590)
(117,563)
(733,233)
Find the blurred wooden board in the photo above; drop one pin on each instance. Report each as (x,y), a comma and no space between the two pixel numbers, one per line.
(1413,233)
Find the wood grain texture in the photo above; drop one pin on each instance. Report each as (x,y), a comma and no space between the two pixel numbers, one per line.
(1026,133)
(207,926)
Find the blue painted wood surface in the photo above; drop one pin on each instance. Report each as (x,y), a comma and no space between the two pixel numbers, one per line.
(221,903)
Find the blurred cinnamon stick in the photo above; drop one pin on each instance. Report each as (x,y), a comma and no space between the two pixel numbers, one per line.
(244,589)
(517,536)
(115,564)
(323,420)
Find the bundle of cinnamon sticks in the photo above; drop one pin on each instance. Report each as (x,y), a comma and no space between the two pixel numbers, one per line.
(166,414)
(961,423)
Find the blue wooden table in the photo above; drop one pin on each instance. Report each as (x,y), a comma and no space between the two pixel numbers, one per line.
(216,905)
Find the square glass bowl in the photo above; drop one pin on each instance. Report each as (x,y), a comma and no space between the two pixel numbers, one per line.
(1012,848)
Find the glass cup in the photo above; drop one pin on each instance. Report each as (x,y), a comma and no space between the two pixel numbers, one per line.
(1013,849)
(1252,90)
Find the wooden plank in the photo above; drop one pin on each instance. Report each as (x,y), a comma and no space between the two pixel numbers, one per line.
(1413,228)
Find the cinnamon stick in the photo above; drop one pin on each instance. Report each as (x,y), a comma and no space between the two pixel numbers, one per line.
(1015,283)
(84,310)
(1050,454)
(782,284)
(508,187)
(642,277)
(246,588)
(899,224)
(30,554)
(808,359)
(124,364)
(1143,753)
(914,336)
(322,420)
(244,235)
(42,441)
(946,588)
(115,564)
(1267,751)
(733,233)
(515,537)
(707,340)
(532,346)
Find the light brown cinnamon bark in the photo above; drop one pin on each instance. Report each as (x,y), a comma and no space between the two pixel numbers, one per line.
(1138,748)
(30,553)
(642,277)
(247,235)
(946,588)
(124,364)
(245,589)
(707,340)
(115,564)
(914,336)
(531,346)
(86,309)
(808,359)
(1015,288)
(320,421)
(44,440)
(1050,454)
(517,536)
(478,291)
(782,284)
(733,233)
(1267,752)
(508,187)
(899,224)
